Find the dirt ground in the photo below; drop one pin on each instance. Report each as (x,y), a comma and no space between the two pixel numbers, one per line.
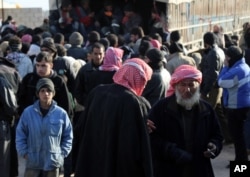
(219,163)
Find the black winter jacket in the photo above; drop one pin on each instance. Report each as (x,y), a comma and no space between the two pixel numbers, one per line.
(9,72)
(210,66)
(88,78)
(27,92)
(168,144)
(113,135)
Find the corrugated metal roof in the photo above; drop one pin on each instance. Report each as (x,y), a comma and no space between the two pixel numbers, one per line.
(174,1)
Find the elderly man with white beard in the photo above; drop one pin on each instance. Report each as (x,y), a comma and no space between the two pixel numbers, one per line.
(187,133)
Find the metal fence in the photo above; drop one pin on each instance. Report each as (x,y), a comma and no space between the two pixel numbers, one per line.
(195,18)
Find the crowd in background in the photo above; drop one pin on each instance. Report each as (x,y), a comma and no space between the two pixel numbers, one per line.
(79,50)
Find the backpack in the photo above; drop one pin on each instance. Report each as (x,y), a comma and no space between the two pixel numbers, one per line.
(7,98)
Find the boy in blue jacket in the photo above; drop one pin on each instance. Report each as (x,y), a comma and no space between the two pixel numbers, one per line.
(44,133)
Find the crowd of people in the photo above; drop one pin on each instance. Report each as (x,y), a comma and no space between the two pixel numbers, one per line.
(110,18)
(96,97)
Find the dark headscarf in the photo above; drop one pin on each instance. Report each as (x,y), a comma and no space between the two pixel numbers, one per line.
(235,54)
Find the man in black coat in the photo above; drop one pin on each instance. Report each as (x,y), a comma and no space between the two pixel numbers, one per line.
(187,131)
(113,134)
(27,91)
(8,153)
(158,85)
(85,81)
(211,64)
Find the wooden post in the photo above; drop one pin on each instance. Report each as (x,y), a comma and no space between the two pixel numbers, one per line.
(2,12)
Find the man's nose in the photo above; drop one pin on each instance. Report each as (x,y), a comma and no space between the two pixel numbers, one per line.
(187,89)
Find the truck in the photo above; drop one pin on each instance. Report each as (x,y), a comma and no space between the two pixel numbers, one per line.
(191,17)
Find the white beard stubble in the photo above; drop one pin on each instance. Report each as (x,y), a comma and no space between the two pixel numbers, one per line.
(190,102)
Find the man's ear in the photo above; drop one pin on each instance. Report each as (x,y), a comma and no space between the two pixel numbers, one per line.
(37,94)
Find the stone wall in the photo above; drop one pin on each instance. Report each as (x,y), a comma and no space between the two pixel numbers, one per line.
(30,17)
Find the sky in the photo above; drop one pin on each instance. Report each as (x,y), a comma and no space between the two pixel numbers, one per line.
(44,4)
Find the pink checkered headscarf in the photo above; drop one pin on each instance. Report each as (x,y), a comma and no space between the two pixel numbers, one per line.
(133,75)
(155,43)
(183,72)
(26,39)
(112,60)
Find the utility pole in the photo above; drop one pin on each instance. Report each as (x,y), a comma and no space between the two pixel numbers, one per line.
(2,11)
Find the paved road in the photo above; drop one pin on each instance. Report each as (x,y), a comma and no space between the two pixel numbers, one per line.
(219,164)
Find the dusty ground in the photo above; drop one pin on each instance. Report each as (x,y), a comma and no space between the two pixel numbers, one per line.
(219,164)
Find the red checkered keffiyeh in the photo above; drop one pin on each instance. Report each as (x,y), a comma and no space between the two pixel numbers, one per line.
(112,60)
(133,75)
(183,72)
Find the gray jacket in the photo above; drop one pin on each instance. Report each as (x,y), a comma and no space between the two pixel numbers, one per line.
(210,67)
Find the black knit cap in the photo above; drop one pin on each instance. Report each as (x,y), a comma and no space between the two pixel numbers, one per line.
(156,58)
(15,44)
(155,55)
(94,36)
(175,36)
(209,38)
(49,44)
(104,41)
(235,53)
(176,47)
(45,83)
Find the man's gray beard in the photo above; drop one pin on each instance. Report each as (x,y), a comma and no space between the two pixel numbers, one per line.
(187,103)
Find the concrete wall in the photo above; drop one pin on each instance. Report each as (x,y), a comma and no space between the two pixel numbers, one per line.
(30,17)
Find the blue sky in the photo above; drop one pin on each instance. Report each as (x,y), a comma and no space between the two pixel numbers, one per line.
(44,4)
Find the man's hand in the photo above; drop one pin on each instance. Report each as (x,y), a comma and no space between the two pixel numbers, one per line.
(210,152)
(25,156)
(226,62)
(151,126)
(204,97)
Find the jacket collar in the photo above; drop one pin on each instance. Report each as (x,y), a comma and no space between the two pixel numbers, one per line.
(37,106)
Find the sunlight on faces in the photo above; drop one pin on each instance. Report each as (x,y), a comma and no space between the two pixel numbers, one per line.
(43,68)
(187,93)
(133,38)
(97,56)
(45,95)
(44,49)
